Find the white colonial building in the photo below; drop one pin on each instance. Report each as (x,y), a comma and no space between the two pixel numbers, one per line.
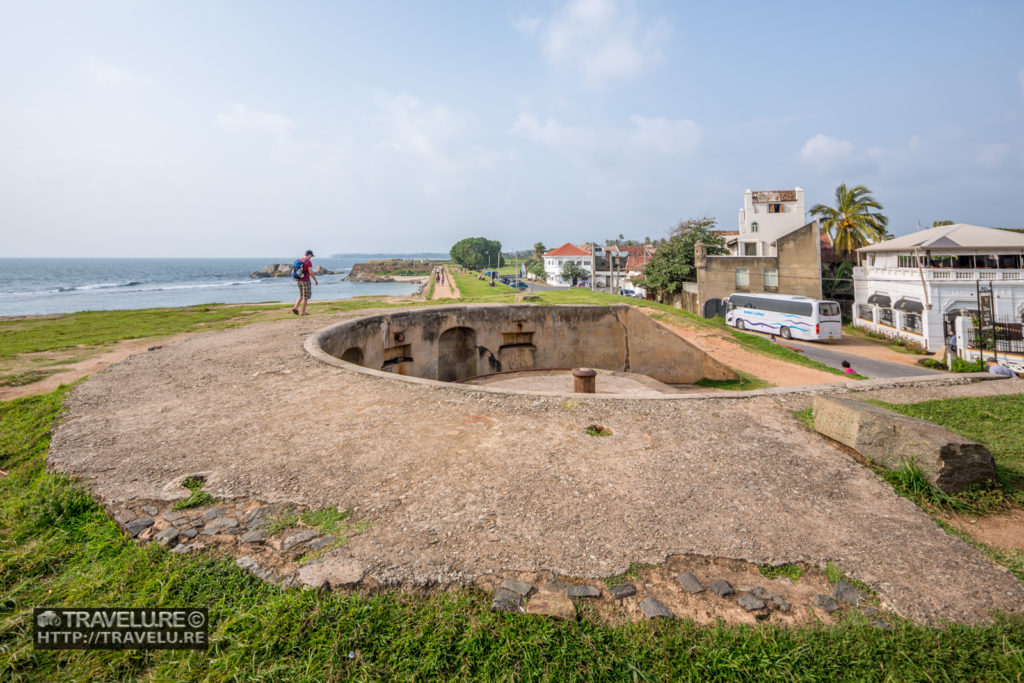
(915,286)
(556,258)
(766,216)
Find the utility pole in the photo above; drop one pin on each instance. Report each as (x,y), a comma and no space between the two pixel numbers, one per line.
(593,265)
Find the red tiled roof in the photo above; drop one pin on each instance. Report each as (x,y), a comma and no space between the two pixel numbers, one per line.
(568,249)
(637,259)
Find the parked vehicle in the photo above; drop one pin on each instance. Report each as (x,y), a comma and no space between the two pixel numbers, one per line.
(787,315)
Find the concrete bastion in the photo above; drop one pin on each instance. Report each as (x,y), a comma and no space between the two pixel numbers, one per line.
(456,343)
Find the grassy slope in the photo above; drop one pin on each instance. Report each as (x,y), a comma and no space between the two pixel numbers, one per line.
(58,548)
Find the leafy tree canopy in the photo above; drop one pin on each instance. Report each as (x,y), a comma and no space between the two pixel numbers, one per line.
(854,221)
(672,264)
(573,271)
(474,253)
(939,224)
(539,250)
(537,268)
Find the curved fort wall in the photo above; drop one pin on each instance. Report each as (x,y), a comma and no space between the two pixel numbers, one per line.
(453,343)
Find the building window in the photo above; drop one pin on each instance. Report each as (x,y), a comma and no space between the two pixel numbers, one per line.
(906,261)
(742,277)
(866,312)
(912,323)
(885,316)
(775,208)
(750,248)
(771,277)
(754,226)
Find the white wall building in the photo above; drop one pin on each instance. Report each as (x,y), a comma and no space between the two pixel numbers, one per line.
(556,258)
(915,286)
(766,216)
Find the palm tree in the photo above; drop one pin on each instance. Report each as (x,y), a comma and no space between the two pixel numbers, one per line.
(851,222)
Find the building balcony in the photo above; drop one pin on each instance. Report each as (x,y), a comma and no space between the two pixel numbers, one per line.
(938,274)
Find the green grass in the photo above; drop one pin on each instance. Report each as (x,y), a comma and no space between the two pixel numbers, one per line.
(471,287)
(898,344)
(744,383)
(199,497)
(632,573)
(995,421)
(20,379)
(806,417)
(58,548)
(788,571)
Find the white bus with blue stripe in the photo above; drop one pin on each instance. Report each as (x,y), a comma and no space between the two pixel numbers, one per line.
(789,316)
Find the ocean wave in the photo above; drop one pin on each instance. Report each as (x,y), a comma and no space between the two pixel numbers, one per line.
(98,285)
(203,285)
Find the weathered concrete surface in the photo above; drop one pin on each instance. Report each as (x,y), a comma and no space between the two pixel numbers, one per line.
(453,343)
(946,459)
(458,483)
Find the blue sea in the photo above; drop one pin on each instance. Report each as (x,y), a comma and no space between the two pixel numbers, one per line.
(31,286)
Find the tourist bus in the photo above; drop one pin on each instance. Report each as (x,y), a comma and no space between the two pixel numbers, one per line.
(792,317)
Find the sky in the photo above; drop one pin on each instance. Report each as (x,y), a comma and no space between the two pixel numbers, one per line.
(246,128)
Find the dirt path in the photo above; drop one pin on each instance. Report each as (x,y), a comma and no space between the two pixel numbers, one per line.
(456,485)
(448,289)
(777,372)
(95,360)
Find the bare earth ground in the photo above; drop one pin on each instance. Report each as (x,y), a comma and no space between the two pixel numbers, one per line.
(459,485)
(93,360)
(448,290)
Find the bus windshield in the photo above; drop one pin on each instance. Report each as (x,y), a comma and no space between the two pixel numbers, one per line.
(828,309)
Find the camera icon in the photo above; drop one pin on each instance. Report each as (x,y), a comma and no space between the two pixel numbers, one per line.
(48,618)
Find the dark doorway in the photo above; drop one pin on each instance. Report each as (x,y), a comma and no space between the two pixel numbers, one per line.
(456,354)
(714,307)
(353,355)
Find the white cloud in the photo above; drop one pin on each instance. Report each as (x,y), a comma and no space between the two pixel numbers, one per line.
(603,40)
(112,77)
(993,156)
(826,152)
(430,145)
(246,118)
(613,148)
(665,136)
(527,25)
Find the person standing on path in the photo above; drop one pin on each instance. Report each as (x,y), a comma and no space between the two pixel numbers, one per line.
(305,289)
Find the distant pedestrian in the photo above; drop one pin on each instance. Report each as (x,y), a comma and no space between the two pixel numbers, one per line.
(996,369)
(304,272)
(771,337)
(847,369)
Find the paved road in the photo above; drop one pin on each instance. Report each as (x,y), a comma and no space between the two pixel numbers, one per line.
(869,367)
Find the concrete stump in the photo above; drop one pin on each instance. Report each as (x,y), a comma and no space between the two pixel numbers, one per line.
(946,459)
(584,381)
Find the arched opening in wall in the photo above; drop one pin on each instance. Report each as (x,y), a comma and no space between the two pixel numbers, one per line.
(456,354)
(353,354)
(713,307)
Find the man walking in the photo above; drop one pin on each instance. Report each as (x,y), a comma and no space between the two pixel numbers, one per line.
(305,289)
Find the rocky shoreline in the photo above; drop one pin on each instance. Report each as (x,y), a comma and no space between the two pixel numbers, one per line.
(285,270)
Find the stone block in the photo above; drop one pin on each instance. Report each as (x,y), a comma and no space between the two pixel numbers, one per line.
(331,573)
(654,609)
(553,605)
(583,592)
(947,460)
(623,590)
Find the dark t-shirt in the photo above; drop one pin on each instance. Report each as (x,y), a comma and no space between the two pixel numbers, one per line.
(306,268)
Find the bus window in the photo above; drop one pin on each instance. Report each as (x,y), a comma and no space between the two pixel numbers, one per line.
(829,309)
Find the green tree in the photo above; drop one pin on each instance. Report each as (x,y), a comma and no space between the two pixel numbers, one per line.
(854,221)
(939,224)
(573,271)
(539,250)
(476,252)
(537,268)
(672,264)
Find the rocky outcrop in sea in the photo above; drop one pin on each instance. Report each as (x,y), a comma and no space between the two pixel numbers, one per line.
(285,270)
